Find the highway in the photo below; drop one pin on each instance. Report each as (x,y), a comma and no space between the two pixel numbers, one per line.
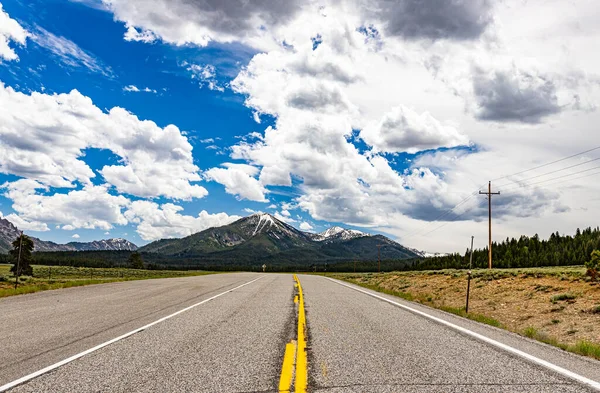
(230,332)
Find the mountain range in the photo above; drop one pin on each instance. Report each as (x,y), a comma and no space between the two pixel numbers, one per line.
(9,232)
(262,237)
(258,238)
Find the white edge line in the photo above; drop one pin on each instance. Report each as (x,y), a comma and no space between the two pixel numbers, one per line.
(54,366)
(564,372)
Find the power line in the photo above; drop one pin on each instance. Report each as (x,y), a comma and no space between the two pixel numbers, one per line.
(551,172)
(549,163)
(554,178)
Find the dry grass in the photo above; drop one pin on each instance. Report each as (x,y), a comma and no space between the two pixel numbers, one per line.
(558,306)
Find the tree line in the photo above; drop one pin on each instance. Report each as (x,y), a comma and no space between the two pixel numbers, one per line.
(557,250)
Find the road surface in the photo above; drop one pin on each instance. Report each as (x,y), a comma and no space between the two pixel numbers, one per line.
(228,333)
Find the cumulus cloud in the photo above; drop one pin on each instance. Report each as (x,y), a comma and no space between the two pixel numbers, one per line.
(68,52)
(10,30)
(238,180)
(514,95)
(154,161)
(404,130)
(199,22)
(415,19)
(91,207)
(75,236)
(26,225)
(156,221)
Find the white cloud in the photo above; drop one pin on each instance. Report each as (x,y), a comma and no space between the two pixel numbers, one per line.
(165,221)
(238,180)
(133,34)
(181,22)
(135,89)
(26,225)
(306,226)
(404,130)
(91,207)
(107,233)
(206,75)
(68,52)
(154,161)
(75,236)
(10,30)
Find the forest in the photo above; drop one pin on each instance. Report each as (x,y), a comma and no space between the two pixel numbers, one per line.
(557,250)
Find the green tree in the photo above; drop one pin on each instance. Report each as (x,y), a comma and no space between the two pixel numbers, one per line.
(136,261)
(24,261)
(593,265)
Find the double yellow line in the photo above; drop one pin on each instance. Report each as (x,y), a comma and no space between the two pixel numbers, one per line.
(296,351)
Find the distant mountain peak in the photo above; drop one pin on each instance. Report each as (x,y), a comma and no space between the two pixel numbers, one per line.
(9,232)
(338,233)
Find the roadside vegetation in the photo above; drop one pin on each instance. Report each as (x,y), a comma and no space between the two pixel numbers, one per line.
(559,306)
(56,277)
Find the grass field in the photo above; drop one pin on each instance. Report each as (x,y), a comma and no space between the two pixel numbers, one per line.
(555,305)
(56,277)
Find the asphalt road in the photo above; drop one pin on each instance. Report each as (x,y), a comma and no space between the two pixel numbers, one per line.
(236,341)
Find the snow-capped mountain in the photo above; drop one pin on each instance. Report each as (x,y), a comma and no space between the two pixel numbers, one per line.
(118,244)
(9,232)
(334,234)
(263,237)
(425,254)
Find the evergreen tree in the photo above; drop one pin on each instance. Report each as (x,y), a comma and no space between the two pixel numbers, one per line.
(136,261)
(24,261)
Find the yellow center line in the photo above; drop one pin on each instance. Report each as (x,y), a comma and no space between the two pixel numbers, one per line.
(296,351)
(287,369)
(301,359)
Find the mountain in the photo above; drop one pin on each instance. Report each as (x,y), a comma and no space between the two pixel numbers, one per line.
(337,234)
(263,237)
(256,232)
(9,232)
(104,245)
(425,254)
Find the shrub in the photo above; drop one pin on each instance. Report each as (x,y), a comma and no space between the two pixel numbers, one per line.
(562,296)
(530,332)
(593,265)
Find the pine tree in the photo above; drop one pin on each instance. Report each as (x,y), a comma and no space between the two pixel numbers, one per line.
(24,260)
(136,261)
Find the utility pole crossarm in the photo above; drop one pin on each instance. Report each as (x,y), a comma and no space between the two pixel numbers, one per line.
(489,194)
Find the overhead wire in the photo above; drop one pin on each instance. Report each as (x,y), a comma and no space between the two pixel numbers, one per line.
(551,172)
(420,231)
(547,164)
(551,179)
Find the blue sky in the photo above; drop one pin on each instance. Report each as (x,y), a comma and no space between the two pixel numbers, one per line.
(318,114)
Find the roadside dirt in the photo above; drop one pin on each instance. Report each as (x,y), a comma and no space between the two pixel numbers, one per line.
(561,305)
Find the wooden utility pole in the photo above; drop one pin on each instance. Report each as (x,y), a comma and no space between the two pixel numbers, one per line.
(471,258)
(379,256)
(489,194)
(469,276)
